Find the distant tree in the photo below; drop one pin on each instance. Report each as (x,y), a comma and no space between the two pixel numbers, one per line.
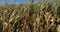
(55,0)
(31,1)
(44,0)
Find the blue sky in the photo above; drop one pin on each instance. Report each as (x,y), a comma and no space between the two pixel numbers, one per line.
(17,1)
(11,1)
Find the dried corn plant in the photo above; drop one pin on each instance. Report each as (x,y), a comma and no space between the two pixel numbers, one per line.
(30,17)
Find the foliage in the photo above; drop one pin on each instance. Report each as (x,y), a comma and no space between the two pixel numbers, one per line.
(31,17)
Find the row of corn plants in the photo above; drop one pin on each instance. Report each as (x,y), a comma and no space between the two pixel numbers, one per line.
(30,17)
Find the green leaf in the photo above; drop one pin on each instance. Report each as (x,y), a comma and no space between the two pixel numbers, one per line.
(16,20)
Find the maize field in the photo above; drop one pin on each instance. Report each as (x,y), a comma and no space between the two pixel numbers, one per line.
(30,17)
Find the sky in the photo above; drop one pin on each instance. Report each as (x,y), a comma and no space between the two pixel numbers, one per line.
(18,1)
